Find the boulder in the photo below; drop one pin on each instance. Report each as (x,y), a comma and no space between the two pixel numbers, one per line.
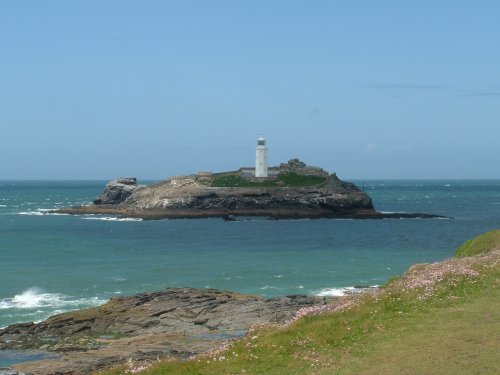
(298,166)
(117,191)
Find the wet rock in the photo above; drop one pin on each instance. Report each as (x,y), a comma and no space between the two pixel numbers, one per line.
(177,322)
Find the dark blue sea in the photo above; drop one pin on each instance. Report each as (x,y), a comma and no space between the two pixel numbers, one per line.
(56,263)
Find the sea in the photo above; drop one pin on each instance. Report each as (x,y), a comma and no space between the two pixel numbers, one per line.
(52,263)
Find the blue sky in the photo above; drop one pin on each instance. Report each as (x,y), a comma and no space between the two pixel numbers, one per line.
(367,89)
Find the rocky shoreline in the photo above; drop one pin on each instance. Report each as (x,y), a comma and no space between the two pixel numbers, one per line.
(239,214)
(178,322)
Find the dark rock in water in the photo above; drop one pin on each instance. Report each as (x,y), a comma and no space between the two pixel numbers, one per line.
(177,322)
(117,191)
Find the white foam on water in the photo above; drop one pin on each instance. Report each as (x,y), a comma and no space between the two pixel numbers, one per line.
(45,210)
(3,205)
(266,287)
(339,292)
(334,292)
(110,218)
(41,212)
(35,298)
(31,213)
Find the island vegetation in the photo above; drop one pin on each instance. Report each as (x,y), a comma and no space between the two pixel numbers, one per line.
(284,179)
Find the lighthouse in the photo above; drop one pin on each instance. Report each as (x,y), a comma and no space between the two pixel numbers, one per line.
(261,158)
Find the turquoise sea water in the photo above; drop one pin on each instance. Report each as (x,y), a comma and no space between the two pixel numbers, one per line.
(55,263)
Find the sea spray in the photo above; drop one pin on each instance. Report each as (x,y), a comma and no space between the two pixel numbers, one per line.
(35,304)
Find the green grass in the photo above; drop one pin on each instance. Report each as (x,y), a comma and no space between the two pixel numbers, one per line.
(454,331)
(237,181)
(480,244)
(290,179)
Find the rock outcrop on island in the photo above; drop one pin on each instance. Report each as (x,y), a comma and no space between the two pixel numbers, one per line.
(117,191)
(293,190)
(174,322)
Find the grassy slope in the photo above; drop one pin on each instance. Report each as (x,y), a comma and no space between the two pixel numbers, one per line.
(480,244)
(455,329)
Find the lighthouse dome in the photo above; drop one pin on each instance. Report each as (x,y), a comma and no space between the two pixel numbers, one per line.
(261,141)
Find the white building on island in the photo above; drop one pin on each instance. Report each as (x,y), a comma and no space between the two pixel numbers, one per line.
(261,158)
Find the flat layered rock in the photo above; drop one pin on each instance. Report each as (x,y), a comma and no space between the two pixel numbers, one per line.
(173,322)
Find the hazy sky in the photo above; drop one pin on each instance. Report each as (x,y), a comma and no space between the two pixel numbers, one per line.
(367,89)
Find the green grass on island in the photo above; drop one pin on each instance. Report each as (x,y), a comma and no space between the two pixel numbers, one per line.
(234,180)
(436,319)
(284,179)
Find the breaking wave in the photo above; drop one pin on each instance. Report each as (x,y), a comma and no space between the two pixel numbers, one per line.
(36,298)
(41,212)
(339,292)
(110,218)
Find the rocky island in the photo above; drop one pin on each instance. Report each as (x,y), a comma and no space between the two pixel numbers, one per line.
(292,190)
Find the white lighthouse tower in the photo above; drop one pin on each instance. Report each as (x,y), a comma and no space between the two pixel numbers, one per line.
(261,158)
